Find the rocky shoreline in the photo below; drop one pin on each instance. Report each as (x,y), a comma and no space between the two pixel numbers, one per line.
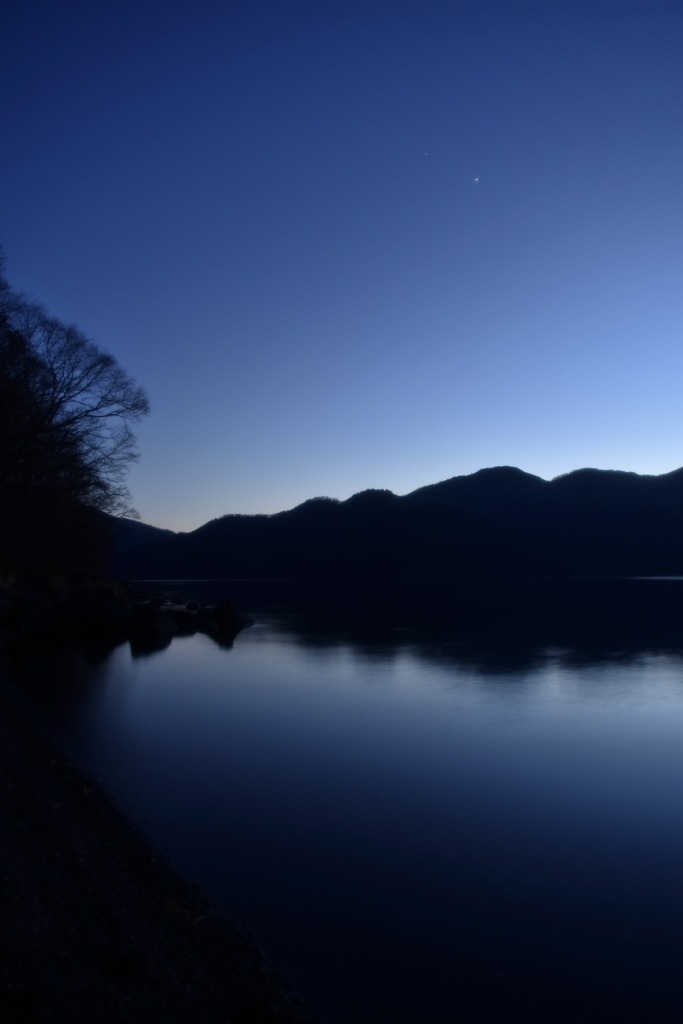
(106,614)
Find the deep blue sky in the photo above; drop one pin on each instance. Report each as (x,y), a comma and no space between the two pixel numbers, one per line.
(349,245)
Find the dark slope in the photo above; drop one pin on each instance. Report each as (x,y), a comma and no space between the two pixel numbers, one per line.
(131,536)
(94,926)
(497,522)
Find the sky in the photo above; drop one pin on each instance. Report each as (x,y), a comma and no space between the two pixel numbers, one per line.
(357,244)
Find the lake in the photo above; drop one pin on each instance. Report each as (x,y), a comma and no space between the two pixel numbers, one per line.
(426,808)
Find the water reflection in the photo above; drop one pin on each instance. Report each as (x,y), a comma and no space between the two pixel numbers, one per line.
(423,815)
(491,626)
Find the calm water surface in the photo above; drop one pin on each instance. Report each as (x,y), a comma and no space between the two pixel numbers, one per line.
(413,833)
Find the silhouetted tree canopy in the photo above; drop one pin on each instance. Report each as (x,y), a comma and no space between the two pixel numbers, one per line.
(66,442)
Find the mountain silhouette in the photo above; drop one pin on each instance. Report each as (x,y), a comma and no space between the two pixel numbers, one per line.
(497,522)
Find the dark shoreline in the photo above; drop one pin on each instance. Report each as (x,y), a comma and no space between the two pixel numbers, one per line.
(95,924)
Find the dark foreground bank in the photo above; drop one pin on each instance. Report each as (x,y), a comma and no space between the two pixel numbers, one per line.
(94,926)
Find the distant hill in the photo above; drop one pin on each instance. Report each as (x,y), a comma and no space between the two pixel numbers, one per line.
(131,537)
(496,522)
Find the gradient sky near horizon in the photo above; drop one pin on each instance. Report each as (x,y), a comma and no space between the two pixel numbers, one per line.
(357,244)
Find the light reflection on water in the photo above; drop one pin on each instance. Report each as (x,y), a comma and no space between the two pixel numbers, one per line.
(410,836)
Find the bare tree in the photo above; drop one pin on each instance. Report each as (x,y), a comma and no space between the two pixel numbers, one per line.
(69,400)
(66,438)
